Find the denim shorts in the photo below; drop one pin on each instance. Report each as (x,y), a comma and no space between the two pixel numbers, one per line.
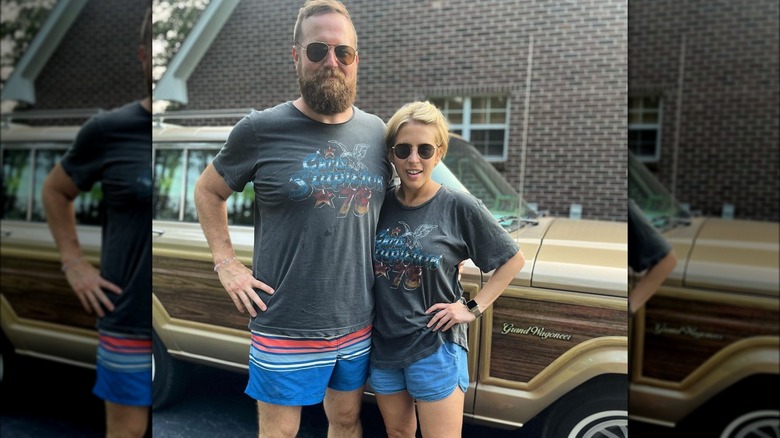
(124,369)
(431,378)
(296,371)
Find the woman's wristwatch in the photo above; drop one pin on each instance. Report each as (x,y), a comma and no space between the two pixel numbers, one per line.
(472,306)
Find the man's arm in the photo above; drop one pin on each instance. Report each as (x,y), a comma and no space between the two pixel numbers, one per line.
(58,194)
(211,194)
(648,284)
(648,251)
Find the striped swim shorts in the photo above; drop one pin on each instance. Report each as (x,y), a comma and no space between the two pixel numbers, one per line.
(124,369)
(293,371)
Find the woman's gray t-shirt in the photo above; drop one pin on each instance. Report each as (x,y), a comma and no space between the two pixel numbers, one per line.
(416,257)
(318,192)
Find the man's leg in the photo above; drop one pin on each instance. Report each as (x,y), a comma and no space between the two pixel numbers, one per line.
(344,395)
(343,411)
(277,421)
(123,421)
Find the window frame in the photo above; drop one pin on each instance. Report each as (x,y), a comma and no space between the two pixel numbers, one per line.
(466,127)
(645,126)
(187,146)
(33,147)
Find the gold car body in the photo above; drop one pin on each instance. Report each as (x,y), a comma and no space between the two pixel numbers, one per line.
(712,324)
(39,313)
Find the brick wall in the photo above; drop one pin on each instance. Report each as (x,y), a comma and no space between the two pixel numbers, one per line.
(409,49)
(97,64)
(728,126)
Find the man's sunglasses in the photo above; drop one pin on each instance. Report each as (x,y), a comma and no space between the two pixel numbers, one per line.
(316,52)
(424,151)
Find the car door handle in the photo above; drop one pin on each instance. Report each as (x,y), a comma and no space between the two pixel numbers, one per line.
(157,233)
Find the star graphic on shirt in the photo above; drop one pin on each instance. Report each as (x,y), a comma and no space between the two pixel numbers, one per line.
(323,198)
(380,270)
(330,152)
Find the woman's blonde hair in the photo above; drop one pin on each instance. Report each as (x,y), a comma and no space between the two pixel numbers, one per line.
(421,112)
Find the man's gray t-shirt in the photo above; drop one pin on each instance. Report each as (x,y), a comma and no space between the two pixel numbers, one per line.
(115,149)
(318,192)
(416,257)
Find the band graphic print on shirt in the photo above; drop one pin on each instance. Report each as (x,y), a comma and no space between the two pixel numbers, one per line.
(400,254)
(336,175)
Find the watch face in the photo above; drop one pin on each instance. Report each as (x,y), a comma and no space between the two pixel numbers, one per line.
(471,304)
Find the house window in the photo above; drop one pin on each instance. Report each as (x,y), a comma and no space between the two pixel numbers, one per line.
(644,128)
(482,120)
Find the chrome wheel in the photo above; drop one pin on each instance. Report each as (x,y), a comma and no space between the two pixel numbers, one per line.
(605,424)
(756,424)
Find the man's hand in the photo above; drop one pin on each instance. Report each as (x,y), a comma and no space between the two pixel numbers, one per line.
(57,195)
(211,194)
(240,284)
(88,285)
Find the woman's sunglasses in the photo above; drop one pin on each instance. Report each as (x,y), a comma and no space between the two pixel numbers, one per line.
(316,52)
(424,151)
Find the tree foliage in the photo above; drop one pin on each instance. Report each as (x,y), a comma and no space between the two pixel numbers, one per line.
(172,22)
(21,20)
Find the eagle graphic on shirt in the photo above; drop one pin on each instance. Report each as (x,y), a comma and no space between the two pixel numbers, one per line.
(399,256)
(334,175)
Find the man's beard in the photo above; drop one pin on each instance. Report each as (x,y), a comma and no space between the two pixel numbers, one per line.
(327,92)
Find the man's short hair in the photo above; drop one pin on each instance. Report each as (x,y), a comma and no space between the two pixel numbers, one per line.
(319,7)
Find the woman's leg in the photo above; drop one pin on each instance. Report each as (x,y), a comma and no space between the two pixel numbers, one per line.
(399,415)
(442,418)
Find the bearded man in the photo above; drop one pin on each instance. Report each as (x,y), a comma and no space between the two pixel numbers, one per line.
(319,171)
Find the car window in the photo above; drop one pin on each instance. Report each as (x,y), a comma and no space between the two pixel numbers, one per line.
(25,167)
(177,165)
(655,200)
(486,183)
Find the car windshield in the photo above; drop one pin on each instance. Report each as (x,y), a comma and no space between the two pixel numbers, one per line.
(653,198)
(482,180)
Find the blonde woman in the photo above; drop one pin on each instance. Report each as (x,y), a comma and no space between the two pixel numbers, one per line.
(425,230)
